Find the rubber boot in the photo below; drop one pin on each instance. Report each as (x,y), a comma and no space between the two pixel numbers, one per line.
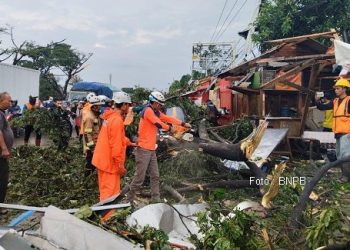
(37,142)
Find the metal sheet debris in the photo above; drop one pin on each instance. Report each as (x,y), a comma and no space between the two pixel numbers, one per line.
(69,232)
(12,241)
(270,140)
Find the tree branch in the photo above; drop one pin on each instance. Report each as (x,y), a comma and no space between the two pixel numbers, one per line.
(173,193)
(295,218)
(236,184)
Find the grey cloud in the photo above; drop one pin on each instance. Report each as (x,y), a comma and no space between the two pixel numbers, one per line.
(137,41)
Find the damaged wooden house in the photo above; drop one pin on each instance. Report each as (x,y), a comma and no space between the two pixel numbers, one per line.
(280,84)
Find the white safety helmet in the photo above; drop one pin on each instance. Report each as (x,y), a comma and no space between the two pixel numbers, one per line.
(156,96)
(89,96)
(122,97)
(103,98)
(94,100)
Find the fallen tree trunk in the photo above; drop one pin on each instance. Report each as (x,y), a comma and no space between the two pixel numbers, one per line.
(226,151)
(256,171)
(236,184)
(233,152)
(295,219)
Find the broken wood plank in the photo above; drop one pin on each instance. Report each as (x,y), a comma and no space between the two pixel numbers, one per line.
(245,91)
(298,87)
(295,58)
(234,78)
(73,210)
(293,71)
(300,38)
(243,67)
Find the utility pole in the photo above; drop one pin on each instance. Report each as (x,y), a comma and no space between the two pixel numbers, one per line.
(110,79)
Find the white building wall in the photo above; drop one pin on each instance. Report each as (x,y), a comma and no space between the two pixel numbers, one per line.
(19,82)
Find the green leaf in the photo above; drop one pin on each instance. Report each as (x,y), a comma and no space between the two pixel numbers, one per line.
(84,212)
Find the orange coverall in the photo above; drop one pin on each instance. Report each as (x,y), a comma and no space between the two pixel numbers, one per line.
(109,155)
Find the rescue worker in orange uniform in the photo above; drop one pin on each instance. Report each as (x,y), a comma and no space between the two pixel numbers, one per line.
(85,110)
(341,122)
(110,151)
(146,159)
(92,126)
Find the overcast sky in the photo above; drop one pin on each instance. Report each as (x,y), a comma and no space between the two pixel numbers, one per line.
(145,42)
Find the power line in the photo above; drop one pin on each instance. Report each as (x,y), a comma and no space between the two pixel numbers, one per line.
(233,18)
(211,39)
(231,54)
(227,17)
(240,49)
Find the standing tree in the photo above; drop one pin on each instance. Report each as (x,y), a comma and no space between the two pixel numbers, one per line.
(286,18)
(180,85)
(71,62)
(140,94)
(46,59)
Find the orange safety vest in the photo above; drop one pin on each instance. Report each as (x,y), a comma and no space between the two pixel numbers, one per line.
(341,116)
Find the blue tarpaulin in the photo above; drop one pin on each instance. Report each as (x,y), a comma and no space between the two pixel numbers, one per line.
(98,88)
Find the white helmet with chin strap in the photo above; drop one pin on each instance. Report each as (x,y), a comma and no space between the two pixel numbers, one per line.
(94,100)
(156,96)
(90,96)
(122,97)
